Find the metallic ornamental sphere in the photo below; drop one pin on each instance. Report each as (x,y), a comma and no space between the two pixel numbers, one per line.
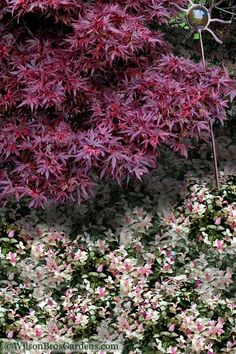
(198,17)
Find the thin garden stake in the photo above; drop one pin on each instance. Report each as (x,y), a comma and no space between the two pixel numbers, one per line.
(217,181)
(199,19)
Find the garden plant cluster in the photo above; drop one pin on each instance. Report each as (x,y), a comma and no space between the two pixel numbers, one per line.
(155,285)
(89,90)
(92,99)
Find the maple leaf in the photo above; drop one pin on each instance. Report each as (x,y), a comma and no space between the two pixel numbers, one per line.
(90,88)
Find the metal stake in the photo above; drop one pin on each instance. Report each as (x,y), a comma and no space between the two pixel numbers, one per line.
(217,181)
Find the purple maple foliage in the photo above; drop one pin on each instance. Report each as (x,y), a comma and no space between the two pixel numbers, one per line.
(89,90)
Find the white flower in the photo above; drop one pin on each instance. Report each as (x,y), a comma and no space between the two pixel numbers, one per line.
(39,293)
(81,319)
(233,243)
(1,255)
(81,256)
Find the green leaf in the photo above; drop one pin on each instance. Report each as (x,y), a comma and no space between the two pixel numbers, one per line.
(94,274)
(5,239)
(102,275)
(196,36)
(214,227)
(183,24)
(167,334)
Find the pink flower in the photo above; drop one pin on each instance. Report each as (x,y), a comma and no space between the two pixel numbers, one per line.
(218,221)
(12,257)
(146,270)
(200,327)
(67,293)
(101,292)
(143,314)
(100,268)
(166,266)
(10,334)
(220,326)
(172,350)
(231,344)
(219,244)
(138,247)
(38,331)
(101,244)
(208,276)
(216,329)
(50,302)
(171,328)
(197,283)
(128,266)
(53,332)
(123,324)
(11,234)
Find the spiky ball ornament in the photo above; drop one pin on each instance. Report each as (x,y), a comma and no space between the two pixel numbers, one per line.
(199,18)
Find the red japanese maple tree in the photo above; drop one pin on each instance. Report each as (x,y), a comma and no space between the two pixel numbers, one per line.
(89,91)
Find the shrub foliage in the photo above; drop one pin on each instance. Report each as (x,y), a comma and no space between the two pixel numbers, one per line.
(89,90)
(156,287)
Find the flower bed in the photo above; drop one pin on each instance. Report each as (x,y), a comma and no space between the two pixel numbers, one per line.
(156,287)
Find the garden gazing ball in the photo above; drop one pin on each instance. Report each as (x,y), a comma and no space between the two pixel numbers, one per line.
(198,17)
